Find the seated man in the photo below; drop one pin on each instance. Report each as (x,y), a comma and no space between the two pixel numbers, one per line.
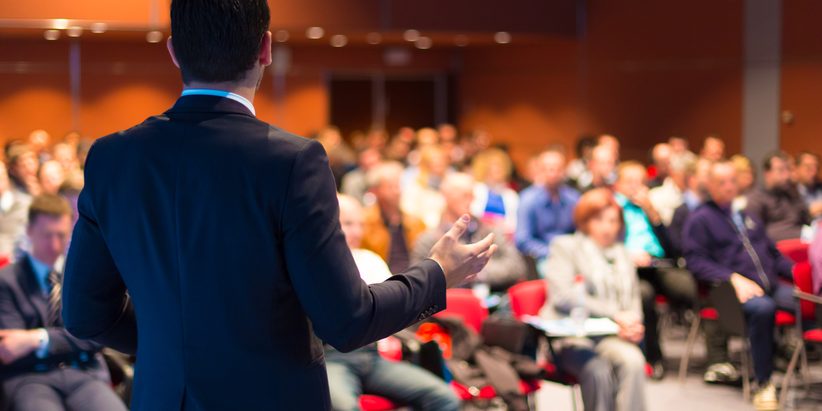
(43,366)
(389,231)
(722,244)
(545,209)
(777,204)
(506,266)
(647,241)
(363,370)
(806,175)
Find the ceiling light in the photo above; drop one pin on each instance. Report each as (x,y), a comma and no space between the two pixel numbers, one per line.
(98,28)
(315,33)
(461,40)
(373,38)
(424,43)
(154,36)
(339,40)
(502,37)
(281,36)
(52,34)
(411,35)
(74,31)
(59,24)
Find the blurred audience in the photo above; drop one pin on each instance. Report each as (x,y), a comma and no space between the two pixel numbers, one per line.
(646,239)
(364,371)
(389,231)
(610,370)
(506,267)
(44,367)
(667,195)
(420,190)
(51,176)
(546,209)
(494,201)
(726,245)
(777,204)
(601,170)
(745,180)
(584,148)
(806,177)
(354,183)
(713,148)
(661,156)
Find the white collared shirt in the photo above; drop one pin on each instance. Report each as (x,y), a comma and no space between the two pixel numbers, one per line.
(221,93)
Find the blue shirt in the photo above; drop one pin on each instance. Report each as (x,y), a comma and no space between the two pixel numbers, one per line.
(639,233)
(495,205)
(41,272)
(220,93)
(541,217)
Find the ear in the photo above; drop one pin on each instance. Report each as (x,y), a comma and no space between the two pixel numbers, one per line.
(265,56)
(170,48)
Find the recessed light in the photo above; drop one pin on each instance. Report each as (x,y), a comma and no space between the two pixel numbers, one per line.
(373,38)
(411,35)
(51,34)
(424,43)
(74,31)
(59,24)
(99,28)
(339,40)
(461,40)
(154,36)
(502,37)
(315,33)
(281,36)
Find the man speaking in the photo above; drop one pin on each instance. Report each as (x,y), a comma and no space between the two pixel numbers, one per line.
(208,242)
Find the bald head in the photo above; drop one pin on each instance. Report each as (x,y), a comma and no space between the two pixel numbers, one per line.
(722,184)
(458,191)
(713,149)
(351,220)
(661,154)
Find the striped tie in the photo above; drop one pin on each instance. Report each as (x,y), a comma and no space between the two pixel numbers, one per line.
(55,296)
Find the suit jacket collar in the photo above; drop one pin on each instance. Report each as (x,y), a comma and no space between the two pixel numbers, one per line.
(31,288)
(208,104)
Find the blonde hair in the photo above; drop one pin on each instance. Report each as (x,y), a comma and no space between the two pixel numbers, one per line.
(483,160)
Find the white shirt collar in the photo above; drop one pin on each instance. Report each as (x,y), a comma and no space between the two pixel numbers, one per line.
(221,93)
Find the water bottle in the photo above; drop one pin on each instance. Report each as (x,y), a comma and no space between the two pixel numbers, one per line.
(579,312)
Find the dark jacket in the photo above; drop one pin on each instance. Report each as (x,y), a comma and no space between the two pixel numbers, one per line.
(714,250)
(24,306)
(224,231)
(782,210)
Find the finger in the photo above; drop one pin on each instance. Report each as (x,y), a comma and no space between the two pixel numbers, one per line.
(481,246)
(487,254)
(458,229)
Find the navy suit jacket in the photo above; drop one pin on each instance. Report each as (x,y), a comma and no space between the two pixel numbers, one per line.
(24,306)
(209,244)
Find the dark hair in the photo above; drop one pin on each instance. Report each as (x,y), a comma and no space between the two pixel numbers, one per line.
(217,40)
(767,163)
(48,205)
(583,142)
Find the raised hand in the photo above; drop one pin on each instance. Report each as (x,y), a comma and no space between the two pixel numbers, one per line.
(461,262)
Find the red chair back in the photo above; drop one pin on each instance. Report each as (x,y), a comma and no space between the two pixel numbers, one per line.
(462,303)
(804,282)
(528,297)
(794,249)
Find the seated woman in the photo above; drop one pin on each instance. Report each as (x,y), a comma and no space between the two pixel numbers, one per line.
(610,369)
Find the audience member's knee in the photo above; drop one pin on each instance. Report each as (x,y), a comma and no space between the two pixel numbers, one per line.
(647,292)
(763,307)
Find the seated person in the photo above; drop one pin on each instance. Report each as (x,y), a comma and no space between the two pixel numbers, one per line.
(806,175)
(546,208)
(610,370)
(723,244)
(363,370)
(390,232)
(777,204)
(720,369)
(601,169)
(43,366)
(646,239)
(506,267)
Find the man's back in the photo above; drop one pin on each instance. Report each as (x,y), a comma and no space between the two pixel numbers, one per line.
(224,231)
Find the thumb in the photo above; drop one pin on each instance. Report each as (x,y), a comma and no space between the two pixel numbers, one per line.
(458,229)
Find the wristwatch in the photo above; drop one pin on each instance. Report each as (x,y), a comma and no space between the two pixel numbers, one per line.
(43,343)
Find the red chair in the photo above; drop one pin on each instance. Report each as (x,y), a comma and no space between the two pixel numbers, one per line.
(527,298)
(463,304)
(376,403)
(793,249)
(809,309)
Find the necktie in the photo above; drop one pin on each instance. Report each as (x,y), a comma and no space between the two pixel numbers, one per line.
(55,295)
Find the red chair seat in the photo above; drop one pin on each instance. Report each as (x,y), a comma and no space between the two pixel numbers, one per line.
(784,319)
(709,314)
(376,403)
(814,335)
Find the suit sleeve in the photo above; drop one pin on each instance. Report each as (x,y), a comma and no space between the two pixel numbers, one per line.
(344,311)
(95,303)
